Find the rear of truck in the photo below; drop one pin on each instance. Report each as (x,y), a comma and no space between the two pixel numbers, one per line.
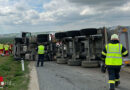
(124,36)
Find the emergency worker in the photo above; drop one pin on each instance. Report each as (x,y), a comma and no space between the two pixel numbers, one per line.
(1,48)
(41,51)
(6,49)
(112,57)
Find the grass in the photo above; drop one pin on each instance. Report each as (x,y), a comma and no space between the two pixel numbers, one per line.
(14,77)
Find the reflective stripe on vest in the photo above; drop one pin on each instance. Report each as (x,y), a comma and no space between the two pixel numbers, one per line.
(111,81)
(113,56)
(41,49)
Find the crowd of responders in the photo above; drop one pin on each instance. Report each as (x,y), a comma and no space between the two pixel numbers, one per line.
(6,49)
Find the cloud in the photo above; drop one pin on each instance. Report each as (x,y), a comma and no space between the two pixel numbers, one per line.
(59,8)
(87,11)
(100,3)
(31,14)
(43,15)
(6,10)
(125,7)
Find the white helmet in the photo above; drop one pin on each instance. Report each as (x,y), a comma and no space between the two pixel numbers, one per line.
(114,37)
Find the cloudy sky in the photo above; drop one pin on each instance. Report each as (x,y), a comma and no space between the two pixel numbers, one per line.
(58,15)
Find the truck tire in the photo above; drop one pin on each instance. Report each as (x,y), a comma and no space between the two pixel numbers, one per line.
(18,40)
(42,38)
(60,35)
(88,31)
(73,33)
(74,62)
(61,61)
(68,39)
(90,64)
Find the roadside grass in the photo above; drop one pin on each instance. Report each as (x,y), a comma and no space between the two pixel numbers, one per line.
(14,77)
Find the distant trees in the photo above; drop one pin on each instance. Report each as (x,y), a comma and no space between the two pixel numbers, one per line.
(6,40)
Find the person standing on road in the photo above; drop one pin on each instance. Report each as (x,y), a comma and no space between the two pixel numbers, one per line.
(41,51)
(112,55)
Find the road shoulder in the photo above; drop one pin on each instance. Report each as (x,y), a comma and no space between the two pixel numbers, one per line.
(33,85)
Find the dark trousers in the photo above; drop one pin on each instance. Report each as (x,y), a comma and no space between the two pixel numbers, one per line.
(40,59)
(113,72)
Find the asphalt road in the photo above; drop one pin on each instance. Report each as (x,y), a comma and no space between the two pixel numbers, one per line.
(63,77)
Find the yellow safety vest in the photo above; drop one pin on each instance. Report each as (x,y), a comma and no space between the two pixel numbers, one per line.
(6,47)
(1,46)
(41,49)
(114,54)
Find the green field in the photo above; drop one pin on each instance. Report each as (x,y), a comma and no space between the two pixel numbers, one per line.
(14,77)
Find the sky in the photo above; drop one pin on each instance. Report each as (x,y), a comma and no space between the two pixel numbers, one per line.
(59,15)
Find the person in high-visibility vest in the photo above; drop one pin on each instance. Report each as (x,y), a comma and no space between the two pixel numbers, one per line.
(112,56)
(41,51)
(1,48)
(6,49)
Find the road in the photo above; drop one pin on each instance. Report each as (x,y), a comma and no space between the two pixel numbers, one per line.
(63,77)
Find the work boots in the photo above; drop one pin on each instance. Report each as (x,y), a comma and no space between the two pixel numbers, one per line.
(112,86)
(117,83)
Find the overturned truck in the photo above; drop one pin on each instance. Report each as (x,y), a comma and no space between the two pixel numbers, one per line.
(25,47)
(84,46)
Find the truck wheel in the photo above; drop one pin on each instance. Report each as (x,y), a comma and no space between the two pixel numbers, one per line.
(90,64)
(18,40)
(42,38)
(88,31)
(61,61)
(60,35)
(74,62)
(73,33)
